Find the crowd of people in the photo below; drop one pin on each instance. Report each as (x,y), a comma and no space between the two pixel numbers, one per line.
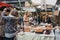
(10,19)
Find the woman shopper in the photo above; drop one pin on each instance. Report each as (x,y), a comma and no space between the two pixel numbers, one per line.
(10,26)
(26,18)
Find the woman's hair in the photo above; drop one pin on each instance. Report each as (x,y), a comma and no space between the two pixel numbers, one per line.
(14,13)
(7,9)
(1,9)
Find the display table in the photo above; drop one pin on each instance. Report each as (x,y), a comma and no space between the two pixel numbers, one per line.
(34,36)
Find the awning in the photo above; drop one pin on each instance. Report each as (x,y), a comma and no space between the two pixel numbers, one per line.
(4,4)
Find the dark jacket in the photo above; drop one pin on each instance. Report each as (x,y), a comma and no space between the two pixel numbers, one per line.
(20,20)
(38,20)
(48,20)
(10,26)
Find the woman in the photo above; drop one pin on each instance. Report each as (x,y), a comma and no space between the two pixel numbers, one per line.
(30,20)
(26,18)
(11,25)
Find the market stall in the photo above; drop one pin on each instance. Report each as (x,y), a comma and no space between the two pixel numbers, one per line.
(41,31)
(36,33)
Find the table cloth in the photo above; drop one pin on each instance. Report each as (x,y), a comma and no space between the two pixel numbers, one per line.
(34,36)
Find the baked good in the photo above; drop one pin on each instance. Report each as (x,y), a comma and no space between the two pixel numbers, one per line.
(27,29)
(38,29)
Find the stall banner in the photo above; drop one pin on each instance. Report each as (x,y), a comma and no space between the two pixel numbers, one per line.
(36,2)
(51,2)
(48,2)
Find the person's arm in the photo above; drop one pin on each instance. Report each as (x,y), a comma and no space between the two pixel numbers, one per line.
(4,18)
